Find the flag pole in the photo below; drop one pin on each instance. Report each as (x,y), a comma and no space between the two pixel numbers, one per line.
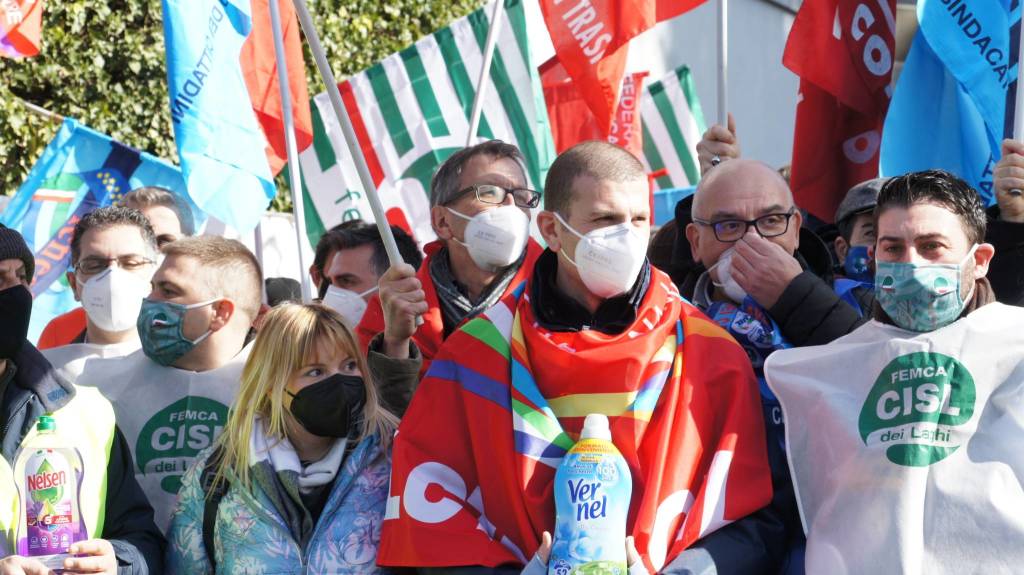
(313,38)
(723,63)
(294,176)
(478,100)
(1018,112)
(257,241)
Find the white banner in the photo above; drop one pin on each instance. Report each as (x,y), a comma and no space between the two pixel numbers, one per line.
(906,448)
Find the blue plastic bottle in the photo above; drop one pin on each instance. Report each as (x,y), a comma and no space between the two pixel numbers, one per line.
(592,491)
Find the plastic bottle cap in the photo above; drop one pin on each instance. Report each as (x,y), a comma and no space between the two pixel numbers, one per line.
(46,423)
(595,426)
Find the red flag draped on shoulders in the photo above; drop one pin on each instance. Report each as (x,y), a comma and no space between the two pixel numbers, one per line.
(430,335)
(21,23)
(591,39)
(476,453)
(259,66)
(843,52)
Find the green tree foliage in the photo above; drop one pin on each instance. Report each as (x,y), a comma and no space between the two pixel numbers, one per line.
(102,62)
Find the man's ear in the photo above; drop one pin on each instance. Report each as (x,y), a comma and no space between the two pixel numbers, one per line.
(223,311)
(798,221)
(547,226)
(315,275)
(693,236)
(440,221)
(982,258)
(73,283)
(842,248)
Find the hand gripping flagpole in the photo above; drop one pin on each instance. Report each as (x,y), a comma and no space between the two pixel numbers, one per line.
(478,100)
(294,177)
(723,63)
(313,38)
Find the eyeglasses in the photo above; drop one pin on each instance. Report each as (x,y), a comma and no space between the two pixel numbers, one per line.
(768,226)
(491,194)
(94,265)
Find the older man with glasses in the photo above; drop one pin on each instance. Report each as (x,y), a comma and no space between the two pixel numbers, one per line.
(113,257)
(756,272)
(480,210)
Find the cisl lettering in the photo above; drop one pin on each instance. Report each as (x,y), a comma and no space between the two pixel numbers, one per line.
(181,433)
(930,397)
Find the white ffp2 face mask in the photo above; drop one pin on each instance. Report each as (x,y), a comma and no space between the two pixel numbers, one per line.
(112,298)
(495,238)
(350,305)
(726,281)
(608,259)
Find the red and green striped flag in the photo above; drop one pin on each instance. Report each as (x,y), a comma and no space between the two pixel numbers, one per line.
(672,125)
(411,111)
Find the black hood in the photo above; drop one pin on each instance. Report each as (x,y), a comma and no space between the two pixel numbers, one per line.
(812,254)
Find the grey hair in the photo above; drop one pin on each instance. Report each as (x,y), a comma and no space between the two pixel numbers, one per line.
(444,185)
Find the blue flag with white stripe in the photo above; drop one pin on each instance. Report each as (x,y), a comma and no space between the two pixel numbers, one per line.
(948,109)
(220,143)
(80,170)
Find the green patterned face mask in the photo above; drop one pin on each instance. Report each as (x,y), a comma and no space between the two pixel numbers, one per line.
(921,297)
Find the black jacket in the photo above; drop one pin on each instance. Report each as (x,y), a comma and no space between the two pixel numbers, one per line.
(1006,272)
(809,312)
(37,389)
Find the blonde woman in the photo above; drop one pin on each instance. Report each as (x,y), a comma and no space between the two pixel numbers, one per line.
(297,482)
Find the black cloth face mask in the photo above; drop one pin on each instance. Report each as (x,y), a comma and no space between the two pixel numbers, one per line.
(15,313)
(331,406)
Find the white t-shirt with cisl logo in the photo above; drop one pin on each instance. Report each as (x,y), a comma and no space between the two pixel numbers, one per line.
(168,416)
(907,449)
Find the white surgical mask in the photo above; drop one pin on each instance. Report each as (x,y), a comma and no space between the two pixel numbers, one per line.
(350,305)
(609,259)
(726,281)
(113,297)
(495,238)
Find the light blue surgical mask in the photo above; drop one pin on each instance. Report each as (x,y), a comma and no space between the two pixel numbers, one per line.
(856,264)
(921,297)
(160,324)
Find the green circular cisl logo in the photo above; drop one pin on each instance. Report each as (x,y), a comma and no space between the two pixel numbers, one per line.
(172,437)
(914,406)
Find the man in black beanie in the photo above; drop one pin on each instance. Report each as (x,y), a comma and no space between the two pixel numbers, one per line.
(128,541)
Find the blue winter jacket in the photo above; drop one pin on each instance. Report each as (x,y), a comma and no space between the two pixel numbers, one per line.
(251,538)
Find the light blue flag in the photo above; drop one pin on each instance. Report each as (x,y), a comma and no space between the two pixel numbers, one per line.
(79,171)
(220,143)
(948,107)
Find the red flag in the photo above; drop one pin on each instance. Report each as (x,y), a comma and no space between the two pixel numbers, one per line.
(572,121)
(259,66)
(21,23)
(843,52)
(591,39)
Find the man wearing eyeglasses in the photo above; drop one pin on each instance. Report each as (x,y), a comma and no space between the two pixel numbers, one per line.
(768,282)
(480,210)
(113,257)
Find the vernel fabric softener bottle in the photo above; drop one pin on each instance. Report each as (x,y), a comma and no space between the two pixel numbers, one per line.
(592,491)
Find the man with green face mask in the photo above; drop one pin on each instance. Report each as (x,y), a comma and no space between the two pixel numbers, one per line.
(172,396)
(904,435)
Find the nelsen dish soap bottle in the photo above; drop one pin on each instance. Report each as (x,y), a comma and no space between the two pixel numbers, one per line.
(592,491)
(49,471)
